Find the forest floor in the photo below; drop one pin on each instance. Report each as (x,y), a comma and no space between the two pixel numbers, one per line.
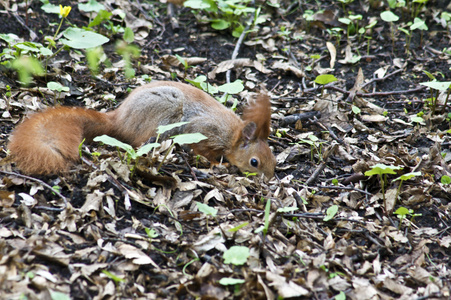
(320,229)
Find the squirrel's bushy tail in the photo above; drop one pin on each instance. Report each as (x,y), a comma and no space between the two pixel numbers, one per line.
(48,142)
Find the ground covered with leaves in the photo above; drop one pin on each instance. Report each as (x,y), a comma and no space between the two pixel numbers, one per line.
(360,204)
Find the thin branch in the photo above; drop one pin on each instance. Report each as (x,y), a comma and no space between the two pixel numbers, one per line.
(43,184)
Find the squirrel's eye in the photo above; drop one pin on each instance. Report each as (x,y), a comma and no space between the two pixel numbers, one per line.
(254,162)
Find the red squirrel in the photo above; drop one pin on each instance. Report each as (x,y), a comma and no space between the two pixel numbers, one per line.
(47,142)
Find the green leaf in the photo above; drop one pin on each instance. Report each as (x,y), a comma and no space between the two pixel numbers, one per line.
(189,138)
(163,128)
(27,66)
(330,213)
(236,228)
(51,8)
(380,169)
(220,24)
(267,211)
(197,4)
(418,24)
(112,276)
(91,6)
(82,39)
(146,149)
(431,77)
(208,210)
(231,281)
(388,16)
(356,110)
(325,79)
(335,181)
(408,176)
(232,88)
(102,15)
(236,255)
(56,86)
(437,85)
(402,211)
(129,36)
(418,120)
(114,142)
(151,233)
(445,179)
(340,296)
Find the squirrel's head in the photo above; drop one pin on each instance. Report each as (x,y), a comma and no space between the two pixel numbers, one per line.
(251,152)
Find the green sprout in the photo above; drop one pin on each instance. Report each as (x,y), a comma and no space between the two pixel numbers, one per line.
(382,170)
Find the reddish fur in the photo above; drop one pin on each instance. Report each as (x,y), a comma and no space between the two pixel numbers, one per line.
(48,142)
(259,112)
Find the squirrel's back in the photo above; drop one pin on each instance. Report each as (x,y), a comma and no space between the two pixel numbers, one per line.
(167,102)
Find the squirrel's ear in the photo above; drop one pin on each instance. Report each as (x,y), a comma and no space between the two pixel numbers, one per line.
(248,132)
(259,112)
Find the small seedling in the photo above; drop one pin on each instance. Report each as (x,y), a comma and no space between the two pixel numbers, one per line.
(57,87)
(151,233)
(401,179)
(390,17)
(115,278)
(315,144)
(330,213)
(324,79)
(382,170)
(207,210)
(445,180)
(132,155)
(402,212)
(265,227)
(435,87)
(236,255)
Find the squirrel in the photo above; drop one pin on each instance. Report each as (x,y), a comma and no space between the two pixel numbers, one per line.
(47,142)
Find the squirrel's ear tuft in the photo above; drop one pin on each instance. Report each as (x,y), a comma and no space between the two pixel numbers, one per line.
(248,132)
(259,112)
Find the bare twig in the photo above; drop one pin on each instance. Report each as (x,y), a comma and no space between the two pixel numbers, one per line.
(43,184)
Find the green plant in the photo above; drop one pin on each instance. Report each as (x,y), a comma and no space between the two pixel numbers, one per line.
(401,179)
(417,6)
(402,212)
(382,170)
(445,17)
(445,179)
(181,139)
(435,87)
(236,255)
(228,89)
(420,25)
(184,62)
(225,14)
(390,18)
(330,213)
(315,144)
(57,87)
(207,210)
(132,154)
(344,3)
(324,79)
(151,233)
(115,278)
(352,23)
